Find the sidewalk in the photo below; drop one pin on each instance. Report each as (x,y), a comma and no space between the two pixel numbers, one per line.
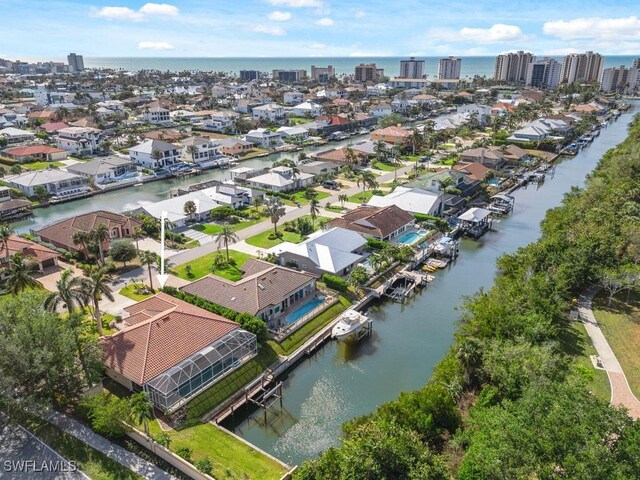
(621,394)
(110,449)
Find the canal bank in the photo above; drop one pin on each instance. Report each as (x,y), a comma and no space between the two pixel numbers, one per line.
(341,382)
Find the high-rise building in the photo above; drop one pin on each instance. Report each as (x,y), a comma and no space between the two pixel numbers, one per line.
(322,74)
(248,75)
(368,72)
(289,75)
(449,68)
(636,63)
(583,67)
(411,68)
(544,73)
(621,80)
(513,67)
(76,63)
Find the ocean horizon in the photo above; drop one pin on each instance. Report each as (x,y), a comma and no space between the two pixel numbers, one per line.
(481,65)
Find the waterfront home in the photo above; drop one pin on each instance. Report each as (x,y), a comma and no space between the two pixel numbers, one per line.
(235,146)
(381,110)
(382,223)
(271,112)
(474,170)
(16,135)
(33,153)
(541,129)
(306,109)
(438,181)
(263,137)
(40,255)
(104,169)
(394,134)
(413,200)
(488,157)
(335,251)
(297,133)
(319,167)
(166,135)
(482,112)
(206,150)
(281,179)
(266,291)
(12,208)
(79,140)
(156,115)
(513,154)
(475,222)
(58,183)
(61,233)
(173,350)
(219,120)
(143,154)
(52,128)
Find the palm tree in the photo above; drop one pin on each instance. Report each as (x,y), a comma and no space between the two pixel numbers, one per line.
(95,285)
(100,234)
(18,275)
(5,233)
(157,155)
(343,197)
(148,258)
(416,140)
(224,238)
(192,150)
(69,292)
(190,208)
(138,233)
(350,155)
(314,210)
(366,179)
(275,211)
(380,149)
(141,411)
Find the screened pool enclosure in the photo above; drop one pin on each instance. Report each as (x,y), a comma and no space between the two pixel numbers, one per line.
(201,369)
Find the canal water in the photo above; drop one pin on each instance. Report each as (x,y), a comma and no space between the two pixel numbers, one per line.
(340,382)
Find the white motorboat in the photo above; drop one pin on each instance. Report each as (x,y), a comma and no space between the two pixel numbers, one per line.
(350,323)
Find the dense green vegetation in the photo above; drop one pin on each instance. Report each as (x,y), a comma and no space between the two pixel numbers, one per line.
(510,400)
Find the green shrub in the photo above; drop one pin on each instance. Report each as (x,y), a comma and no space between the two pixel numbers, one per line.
(205,465)
(184,452)
(335,282)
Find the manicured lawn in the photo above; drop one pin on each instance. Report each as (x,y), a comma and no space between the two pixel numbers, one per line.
(130,292)
(202,266)
(357,197)
(40,165)
(262,239)
(298,120)
(299,197)
(387,167)
(92,462)
(231,458)
(215,228)
(599,383)
(297,338)
(256,152)
(220,391)
(620,324)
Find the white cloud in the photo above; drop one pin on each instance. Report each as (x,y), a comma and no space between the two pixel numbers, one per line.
(625,28)
(163,9)
(118,13)
(497,33)
(317,46)
(147,10)
(268,29)
(297,3)
(325,22)
(279,16)
(155,46)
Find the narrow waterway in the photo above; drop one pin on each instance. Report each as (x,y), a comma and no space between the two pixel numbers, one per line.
(132,197)
(339,383)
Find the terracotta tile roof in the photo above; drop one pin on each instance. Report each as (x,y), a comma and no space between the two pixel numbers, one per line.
(167,135)
(173,331)
(476,171)
(61,233)
(392,131)
(375,221)
(32,150)
(28,249)
(52,127)
(264,284)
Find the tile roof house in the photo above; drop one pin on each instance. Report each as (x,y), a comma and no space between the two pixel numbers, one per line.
(44,257)
(266,291)
(382,223)
(173,350)
(485,156)
(57,182)
(61,233)
(394,134)
(12,208)
(35,152)
(335,251)
(104,169)
(475,170)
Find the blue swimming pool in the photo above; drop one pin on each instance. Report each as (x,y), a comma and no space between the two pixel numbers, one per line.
(301,311)
(410,238)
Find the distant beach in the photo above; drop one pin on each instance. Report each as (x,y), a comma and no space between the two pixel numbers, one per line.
(471,66)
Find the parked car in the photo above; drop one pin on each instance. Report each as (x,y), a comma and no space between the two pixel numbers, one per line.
(331,185)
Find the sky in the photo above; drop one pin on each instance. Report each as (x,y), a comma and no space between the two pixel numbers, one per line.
(49,29)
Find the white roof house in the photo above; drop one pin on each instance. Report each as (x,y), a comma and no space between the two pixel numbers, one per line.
(281,179)
(475,215)
(263,137)
(13,134)
(333,251)
(293,132)
(310,108)
(175,208)
(413,200)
